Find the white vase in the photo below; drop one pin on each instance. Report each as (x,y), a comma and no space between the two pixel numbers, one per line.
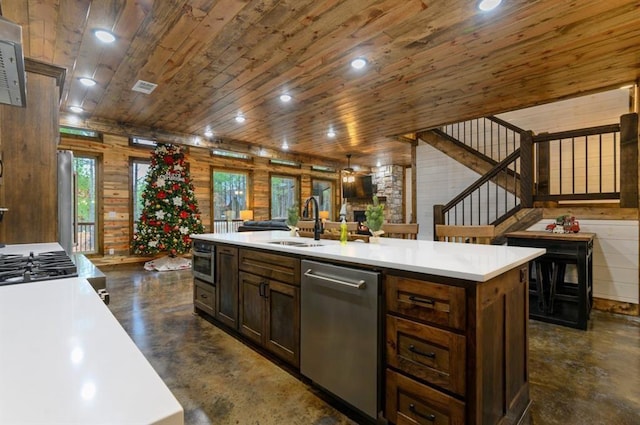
(374,239)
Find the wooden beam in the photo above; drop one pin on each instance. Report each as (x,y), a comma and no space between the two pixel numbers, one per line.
(629,161)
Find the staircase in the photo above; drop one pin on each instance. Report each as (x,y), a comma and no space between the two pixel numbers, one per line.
(520,171)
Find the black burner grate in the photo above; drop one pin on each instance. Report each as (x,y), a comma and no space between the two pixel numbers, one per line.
(15,268)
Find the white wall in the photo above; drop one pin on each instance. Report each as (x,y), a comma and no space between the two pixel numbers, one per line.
(571,114)
(615,257)
(439,178)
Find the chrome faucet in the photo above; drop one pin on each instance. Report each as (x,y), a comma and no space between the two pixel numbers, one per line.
(317,227)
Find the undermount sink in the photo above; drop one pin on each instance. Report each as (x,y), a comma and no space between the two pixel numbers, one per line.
(296,243)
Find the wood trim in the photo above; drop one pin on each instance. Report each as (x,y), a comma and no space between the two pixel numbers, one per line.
(618,307)
(591,213)
(42,68)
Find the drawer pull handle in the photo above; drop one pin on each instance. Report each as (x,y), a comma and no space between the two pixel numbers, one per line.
(413,349)
(421,300)
(203,296)
(431,418)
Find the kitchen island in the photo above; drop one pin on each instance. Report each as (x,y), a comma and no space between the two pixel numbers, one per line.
(453,320)
(65,359)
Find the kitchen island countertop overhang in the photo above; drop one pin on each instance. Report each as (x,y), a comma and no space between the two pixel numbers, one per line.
(472,262)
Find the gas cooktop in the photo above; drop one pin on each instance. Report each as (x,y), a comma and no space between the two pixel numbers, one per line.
(17,268)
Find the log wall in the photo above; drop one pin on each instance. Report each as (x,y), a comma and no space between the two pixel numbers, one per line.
(115,156)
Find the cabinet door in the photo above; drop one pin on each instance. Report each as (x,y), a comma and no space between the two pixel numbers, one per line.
(282,331)
(227,285)
(252,306)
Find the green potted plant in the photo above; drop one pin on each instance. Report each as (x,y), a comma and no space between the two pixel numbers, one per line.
(292,219)
(375,217)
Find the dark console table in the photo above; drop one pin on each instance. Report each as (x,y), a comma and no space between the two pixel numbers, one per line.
(552,297)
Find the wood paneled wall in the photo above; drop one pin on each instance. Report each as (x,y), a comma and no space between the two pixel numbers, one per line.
(29,181)
(116,154)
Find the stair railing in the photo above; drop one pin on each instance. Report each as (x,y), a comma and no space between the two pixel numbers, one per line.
(489,200)
(491,137)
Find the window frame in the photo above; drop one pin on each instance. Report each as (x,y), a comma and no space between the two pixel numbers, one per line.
(332,198)
(99,193)
(230,170)
(298,194)
(132,217)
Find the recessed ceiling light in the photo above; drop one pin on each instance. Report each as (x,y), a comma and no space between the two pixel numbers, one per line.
(104,36)
(378,163)
(487,5)
(359,63)
(285,97)
(285,145)
(240,118)
(208,133)
(76,109)
(89,82)
(331,133)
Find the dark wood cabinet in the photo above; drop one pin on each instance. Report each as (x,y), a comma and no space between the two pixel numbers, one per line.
(270,309)
(226,310)
(204,296)
(456,352)
(282,321)
(252,306)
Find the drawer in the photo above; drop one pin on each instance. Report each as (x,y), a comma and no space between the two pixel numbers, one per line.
(426,301)
(433,355)
(410,402)
(204,296)
(273,266)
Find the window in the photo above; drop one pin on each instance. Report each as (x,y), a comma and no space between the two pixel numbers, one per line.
(139,170)
(230,194)
(81,133)
(230,154)
(86,203)
(142,142)
(323,192)
(284,194)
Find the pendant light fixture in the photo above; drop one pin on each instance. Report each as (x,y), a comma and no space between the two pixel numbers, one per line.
(348,171)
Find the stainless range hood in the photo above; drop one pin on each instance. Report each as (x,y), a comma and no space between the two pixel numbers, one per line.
(13,79)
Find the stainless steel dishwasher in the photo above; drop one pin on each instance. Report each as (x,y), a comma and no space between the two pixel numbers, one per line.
(340,333)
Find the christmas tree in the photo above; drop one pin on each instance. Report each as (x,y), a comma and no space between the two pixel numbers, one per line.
(170,211)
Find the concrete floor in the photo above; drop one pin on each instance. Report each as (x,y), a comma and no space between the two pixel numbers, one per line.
(577,377)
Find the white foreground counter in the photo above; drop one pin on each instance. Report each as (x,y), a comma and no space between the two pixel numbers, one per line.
(65,359)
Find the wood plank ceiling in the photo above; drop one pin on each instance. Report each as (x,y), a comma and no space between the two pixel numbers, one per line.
(429,63)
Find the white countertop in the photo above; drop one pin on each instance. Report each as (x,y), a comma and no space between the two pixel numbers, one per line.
(464,261)
(65,359)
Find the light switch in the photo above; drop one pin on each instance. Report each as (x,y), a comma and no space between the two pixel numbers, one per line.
(112,214)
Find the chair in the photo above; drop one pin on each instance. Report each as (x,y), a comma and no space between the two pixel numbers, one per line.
(466,234)
(400,230)
(305,225)
(334,226)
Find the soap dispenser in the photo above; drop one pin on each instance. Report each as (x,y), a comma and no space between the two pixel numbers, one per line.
(343,232)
